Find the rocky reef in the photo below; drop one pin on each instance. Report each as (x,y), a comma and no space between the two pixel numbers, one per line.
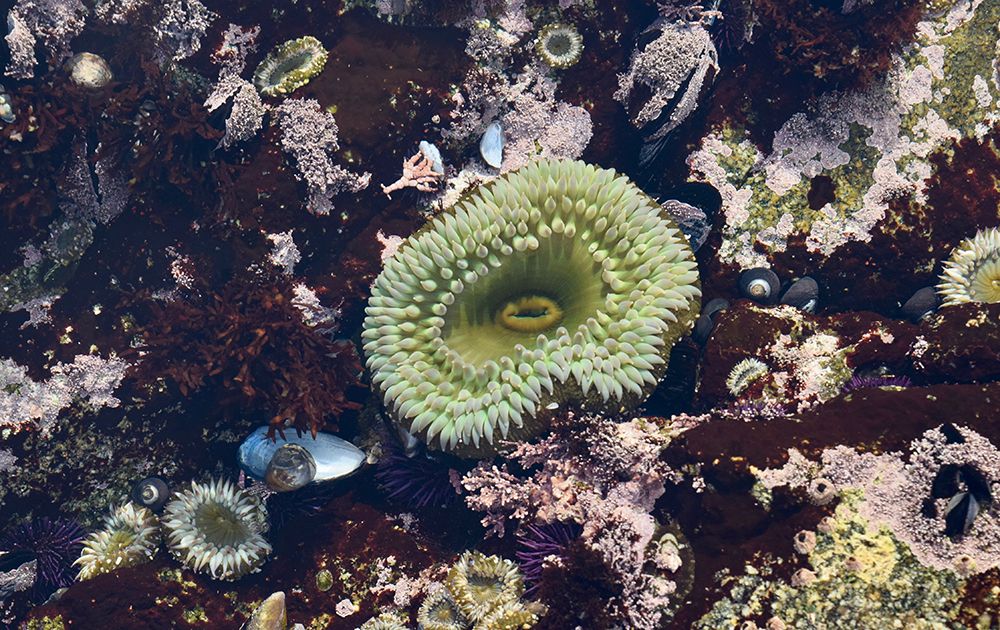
(661,315)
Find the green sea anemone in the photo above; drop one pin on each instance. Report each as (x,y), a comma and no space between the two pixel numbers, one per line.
(217,529)
(290,66)
(559,45)
(557,283)
(130,536)
(439,612)
(481,584)
(973,273)
(744,374)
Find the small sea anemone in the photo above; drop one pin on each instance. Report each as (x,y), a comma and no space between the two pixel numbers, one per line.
(537,543)
(217,528)
(559,45)
(55,543)
(385,621)
(973,273)
(439,612)
(557,283)
(744,374)
(481,584)
(417,481)
(130,536)
(290,66)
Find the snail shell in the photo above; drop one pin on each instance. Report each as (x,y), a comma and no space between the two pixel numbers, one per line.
(151,492)
(760,285)
(803,294)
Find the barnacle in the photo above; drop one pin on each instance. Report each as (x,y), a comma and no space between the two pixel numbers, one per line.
(559,45)
(481,584)
(973,273)
(290,66)
(130,536)
(439,612)
(744,374)
(217,528)
(557,283)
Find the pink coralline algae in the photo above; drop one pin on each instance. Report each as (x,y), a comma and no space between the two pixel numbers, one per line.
(310,135)
(178,26)
(605,477)
(25,403)
(899,494)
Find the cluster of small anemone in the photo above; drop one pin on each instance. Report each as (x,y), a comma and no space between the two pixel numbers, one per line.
(557,283)
(482,593)
(130,536)
(290,66)
(218,529)
(973,272)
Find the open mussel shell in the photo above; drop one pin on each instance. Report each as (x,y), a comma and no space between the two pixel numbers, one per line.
(706,321)
(332,457)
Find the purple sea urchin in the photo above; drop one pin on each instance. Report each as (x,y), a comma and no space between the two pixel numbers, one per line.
(537,543)
(217,529)
(130,536)
(869,381)
(973,272)
(417,481)
(559,45)
(460,333)
(55,543)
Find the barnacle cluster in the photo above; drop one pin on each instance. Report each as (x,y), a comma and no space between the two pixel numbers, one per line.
(290,66)
(973,272)
(557,283)
(559,45)
(217,529)
(130,536)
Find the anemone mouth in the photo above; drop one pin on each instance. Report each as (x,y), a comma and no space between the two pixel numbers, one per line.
(559,282)
(439,612)
(973,272)
(220,525)
(290,66)
(559,45)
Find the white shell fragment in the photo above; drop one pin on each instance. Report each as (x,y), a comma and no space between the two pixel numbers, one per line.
(491,145)
(89,70)
(432,155)
(334,457)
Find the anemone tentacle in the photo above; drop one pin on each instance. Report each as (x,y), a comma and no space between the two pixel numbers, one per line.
(559,45)
(290,66)
(973,272)
(557,283)
(217,529)
(130,536)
